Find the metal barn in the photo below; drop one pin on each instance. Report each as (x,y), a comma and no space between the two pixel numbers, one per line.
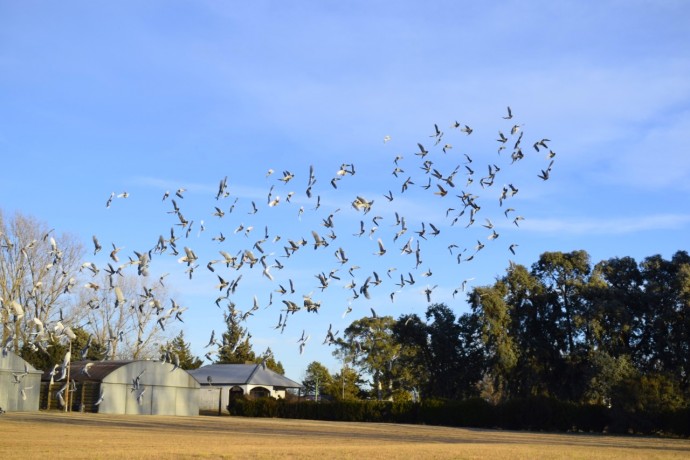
(220,382)
(124,387)
(20,383)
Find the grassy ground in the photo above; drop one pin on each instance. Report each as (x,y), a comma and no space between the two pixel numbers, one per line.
(93,436)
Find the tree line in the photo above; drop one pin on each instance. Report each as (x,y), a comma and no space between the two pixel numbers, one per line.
(616,334)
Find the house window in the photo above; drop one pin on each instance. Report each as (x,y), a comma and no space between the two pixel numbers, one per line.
(260,392)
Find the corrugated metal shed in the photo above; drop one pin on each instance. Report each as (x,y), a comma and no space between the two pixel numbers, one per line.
(20,383)
(129,387)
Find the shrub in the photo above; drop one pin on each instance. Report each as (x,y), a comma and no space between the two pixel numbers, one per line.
(533,413)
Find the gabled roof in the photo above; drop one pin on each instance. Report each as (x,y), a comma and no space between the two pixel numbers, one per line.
(241,374)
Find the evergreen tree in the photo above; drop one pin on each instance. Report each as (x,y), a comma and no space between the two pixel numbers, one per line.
(84,348)
(235,348)
(179,347)
(317,380)
(346,384)
(268,359)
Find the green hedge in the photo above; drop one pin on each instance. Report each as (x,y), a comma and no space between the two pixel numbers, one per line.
(669,422)
(534,414)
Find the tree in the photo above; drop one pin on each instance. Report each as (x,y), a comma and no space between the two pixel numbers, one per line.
(651,392)
(317,380)
(564,275)
(472,359)
(615,304)
(179,347)
(412,335)
(346,384)
(665,323)
(534,328)
(368,343)
(268,359)
(235,348)
(38,270)
(44,287)
(441,353)
(126,313)
(495,325)
(444,343)
(84,348)
(605,376)
(549,310)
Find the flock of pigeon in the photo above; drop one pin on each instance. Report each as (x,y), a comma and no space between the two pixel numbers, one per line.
(257,249)
(374,249)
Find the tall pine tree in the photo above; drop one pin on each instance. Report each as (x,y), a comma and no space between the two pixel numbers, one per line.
(235,348)
(179,347)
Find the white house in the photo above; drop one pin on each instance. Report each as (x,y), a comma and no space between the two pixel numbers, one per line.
(220,382)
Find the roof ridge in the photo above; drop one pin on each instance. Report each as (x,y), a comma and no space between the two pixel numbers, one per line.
(256,368)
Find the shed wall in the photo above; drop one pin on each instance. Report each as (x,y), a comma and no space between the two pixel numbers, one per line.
(167,391)
(11,398)
(156,400)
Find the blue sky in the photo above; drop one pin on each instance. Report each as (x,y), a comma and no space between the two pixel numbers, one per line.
(145,97)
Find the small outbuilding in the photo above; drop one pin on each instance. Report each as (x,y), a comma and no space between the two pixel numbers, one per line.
(124,387)
(20,383)
(221,382)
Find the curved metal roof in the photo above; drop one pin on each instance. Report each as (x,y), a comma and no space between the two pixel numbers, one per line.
(121,372)
(97,370)
(10,361)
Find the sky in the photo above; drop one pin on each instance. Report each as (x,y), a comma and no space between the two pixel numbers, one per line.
(147,97)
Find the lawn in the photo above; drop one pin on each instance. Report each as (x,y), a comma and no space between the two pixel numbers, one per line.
(59,435)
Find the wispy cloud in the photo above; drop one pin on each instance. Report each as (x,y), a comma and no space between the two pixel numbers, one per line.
(657,159)
(170,184)
(608,226)
(208,188)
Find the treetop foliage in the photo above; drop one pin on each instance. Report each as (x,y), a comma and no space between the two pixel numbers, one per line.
(613,333)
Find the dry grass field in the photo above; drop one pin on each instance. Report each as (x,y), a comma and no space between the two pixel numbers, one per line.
(93,436)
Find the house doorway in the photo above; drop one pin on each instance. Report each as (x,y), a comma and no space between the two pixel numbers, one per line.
(236,392)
